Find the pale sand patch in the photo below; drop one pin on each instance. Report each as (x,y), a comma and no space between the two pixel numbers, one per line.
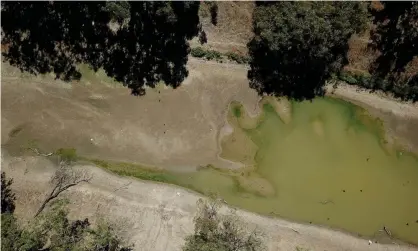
(376,100)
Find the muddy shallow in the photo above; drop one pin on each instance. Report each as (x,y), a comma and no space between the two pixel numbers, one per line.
(327,163)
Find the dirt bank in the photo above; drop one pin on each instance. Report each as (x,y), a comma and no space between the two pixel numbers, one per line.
(167,128)
(400,118)
(158,216)
(174,129)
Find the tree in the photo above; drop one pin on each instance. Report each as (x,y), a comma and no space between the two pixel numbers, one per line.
(72,33)
(214,13)
(214,232)
(151,47)
(64,178)
(297,45)
(395,37)
(7,196)
(52,230)
(119,10)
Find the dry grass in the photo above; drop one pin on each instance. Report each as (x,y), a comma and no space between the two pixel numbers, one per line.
(360,56)
(234,30)
(234,27)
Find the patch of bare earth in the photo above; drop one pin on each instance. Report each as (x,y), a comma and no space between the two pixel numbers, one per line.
(157,216)
(167,128)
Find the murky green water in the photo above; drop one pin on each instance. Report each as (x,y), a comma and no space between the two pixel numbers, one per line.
(328,165)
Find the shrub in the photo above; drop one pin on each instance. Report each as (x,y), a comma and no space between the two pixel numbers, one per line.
(217,232)
(240,59)
(348,78)
(7,195)
(198,52)
(67,154)
(211,54)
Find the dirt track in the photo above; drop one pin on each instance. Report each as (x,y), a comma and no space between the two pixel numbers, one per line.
(158,216)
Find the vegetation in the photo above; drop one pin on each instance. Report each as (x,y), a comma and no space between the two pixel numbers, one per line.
(151,47)
(52,230)
(137,171)
(402,90)
(67,155)
(213,13)
(200,52)
(7,196)
(118,10)
(298,45)
(395,37)
(64,178)
(240,59)
(360,79)
(208,8)
(215,232)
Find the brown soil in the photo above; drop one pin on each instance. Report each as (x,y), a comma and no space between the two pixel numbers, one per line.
(167,128)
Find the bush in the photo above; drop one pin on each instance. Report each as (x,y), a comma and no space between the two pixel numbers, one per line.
(52,230)
(348,78)
(364,80)
(405,89)
(198,52)
(217,232)
(67,154)
(7,195)
(240,59)
(211,54)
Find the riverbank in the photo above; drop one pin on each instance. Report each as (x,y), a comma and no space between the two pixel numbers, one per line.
(377,100)
(158,216)
(400,118)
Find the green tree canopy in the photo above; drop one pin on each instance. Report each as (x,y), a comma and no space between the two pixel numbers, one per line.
(297,45)
(53,231)
(395,37)
(55,37)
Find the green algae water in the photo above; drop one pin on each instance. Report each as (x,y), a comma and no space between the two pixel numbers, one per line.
(328,164)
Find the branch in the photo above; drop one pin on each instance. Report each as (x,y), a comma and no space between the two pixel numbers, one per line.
(38,153)
(122,187)
(63,179)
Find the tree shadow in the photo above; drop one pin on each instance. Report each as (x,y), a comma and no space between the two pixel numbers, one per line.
(153,46)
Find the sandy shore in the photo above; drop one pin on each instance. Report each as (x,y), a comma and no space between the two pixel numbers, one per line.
(158,216)
(377,100)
